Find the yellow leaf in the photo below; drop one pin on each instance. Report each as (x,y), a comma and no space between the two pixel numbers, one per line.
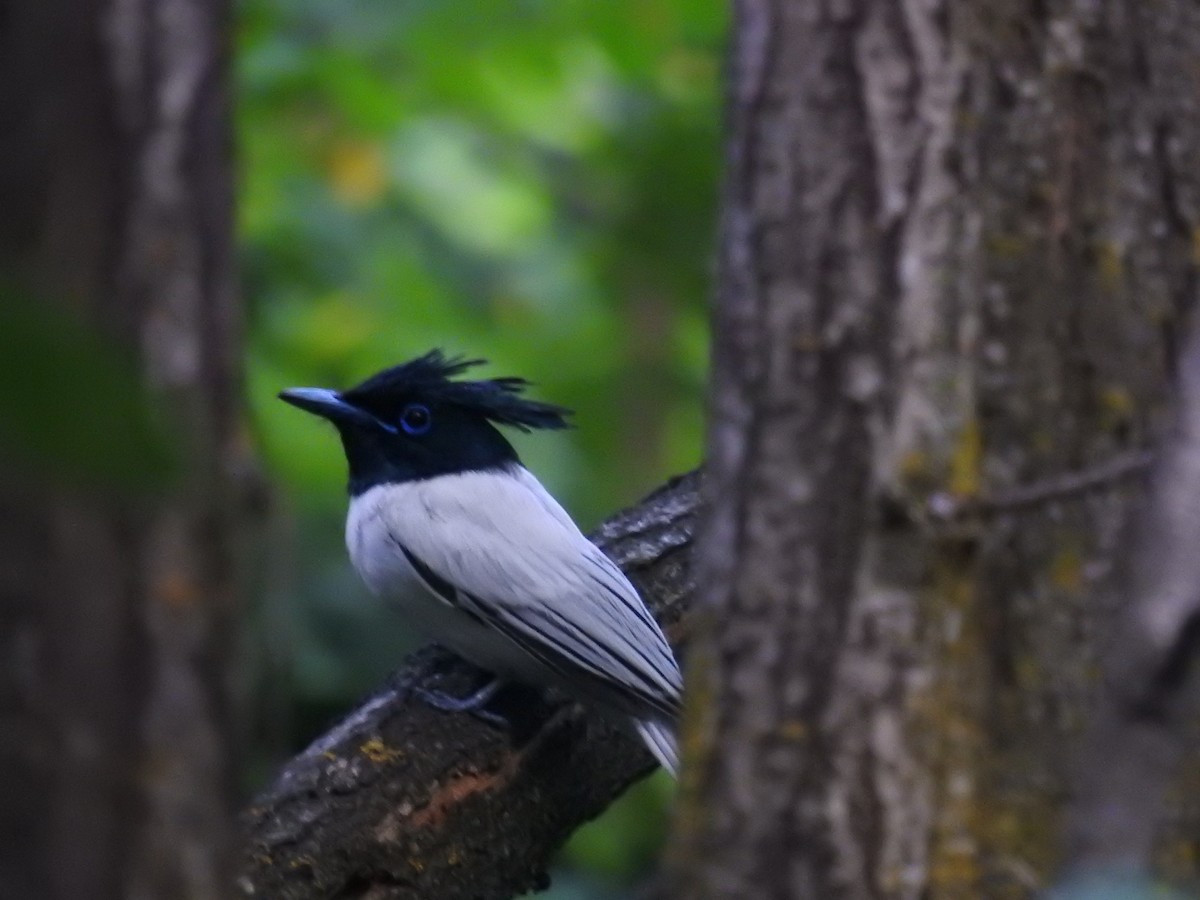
(357,173)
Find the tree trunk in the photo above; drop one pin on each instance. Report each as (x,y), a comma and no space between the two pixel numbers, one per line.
(957,243)
(116,766)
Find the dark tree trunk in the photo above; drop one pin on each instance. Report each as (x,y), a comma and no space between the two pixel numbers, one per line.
(116,763)
(958,240)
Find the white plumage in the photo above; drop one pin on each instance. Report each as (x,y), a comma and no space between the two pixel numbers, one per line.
(488,564)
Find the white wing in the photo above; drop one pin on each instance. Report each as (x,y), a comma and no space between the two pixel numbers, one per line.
(517,562)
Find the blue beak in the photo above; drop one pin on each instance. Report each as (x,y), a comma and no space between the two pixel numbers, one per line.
(329,405)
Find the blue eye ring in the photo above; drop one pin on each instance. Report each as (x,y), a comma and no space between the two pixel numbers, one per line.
(416,419)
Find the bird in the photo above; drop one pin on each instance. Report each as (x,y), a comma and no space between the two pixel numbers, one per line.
(445,521)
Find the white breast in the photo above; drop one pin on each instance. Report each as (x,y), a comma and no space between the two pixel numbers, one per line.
(386,517)
(374,553)
(532,593)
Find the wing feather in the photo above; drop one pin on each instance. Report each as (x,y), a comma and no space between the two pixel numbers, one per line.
(514,559)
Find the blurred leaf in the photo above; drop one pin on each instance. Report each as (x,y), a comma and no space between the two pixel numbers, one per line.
(459,183)
(626,839)
(357,172)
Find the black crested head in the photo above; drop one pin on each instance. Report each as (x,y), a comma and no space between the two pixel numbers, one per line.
(414,421)
(429,378)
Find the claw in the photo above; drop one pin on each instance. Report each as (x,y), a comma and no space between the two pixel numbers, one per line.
(473,703)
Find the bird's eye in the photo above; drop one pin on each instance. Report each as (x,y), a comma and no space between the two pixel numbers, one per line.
(416,419)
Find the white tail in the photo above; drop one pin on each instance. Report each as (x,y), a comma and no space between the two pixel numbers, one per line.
(661,740)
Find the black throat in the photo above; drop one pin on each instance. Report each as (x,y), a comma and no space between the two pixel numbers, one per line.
(456,445)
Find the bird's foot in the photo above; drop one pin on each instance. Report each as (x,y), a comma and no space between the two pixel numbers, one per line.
(473,703)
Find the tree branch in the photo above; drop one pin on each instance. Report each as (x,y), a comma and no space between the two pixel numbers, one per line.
(944,507)
(400,800)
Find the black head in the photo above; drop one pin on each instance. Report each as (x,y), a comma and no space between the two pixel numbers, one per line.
(413,421)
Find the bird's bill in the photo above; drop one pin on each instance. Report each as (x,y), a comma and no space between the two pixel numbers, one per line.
(328,405)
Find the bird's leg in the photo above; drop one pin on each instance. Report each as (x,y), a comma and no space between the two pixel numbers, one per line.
(473,703)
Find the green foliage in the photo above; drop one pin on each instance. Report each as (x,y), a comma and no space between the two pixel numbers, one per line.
(531,182)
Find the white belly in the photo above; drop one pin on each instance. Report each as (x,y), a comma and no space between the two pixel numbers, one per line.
(388,574)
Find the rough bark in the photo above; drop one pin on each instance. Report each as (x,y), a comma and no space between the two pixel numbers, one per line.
(957,243)
(402,801)
(116,766)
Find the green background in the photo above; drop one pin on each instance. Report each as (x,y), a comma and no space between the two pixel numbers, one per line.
(530,182)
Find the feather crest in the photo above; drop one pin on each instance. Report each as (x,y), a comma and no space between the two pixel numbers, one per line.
(429,378)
